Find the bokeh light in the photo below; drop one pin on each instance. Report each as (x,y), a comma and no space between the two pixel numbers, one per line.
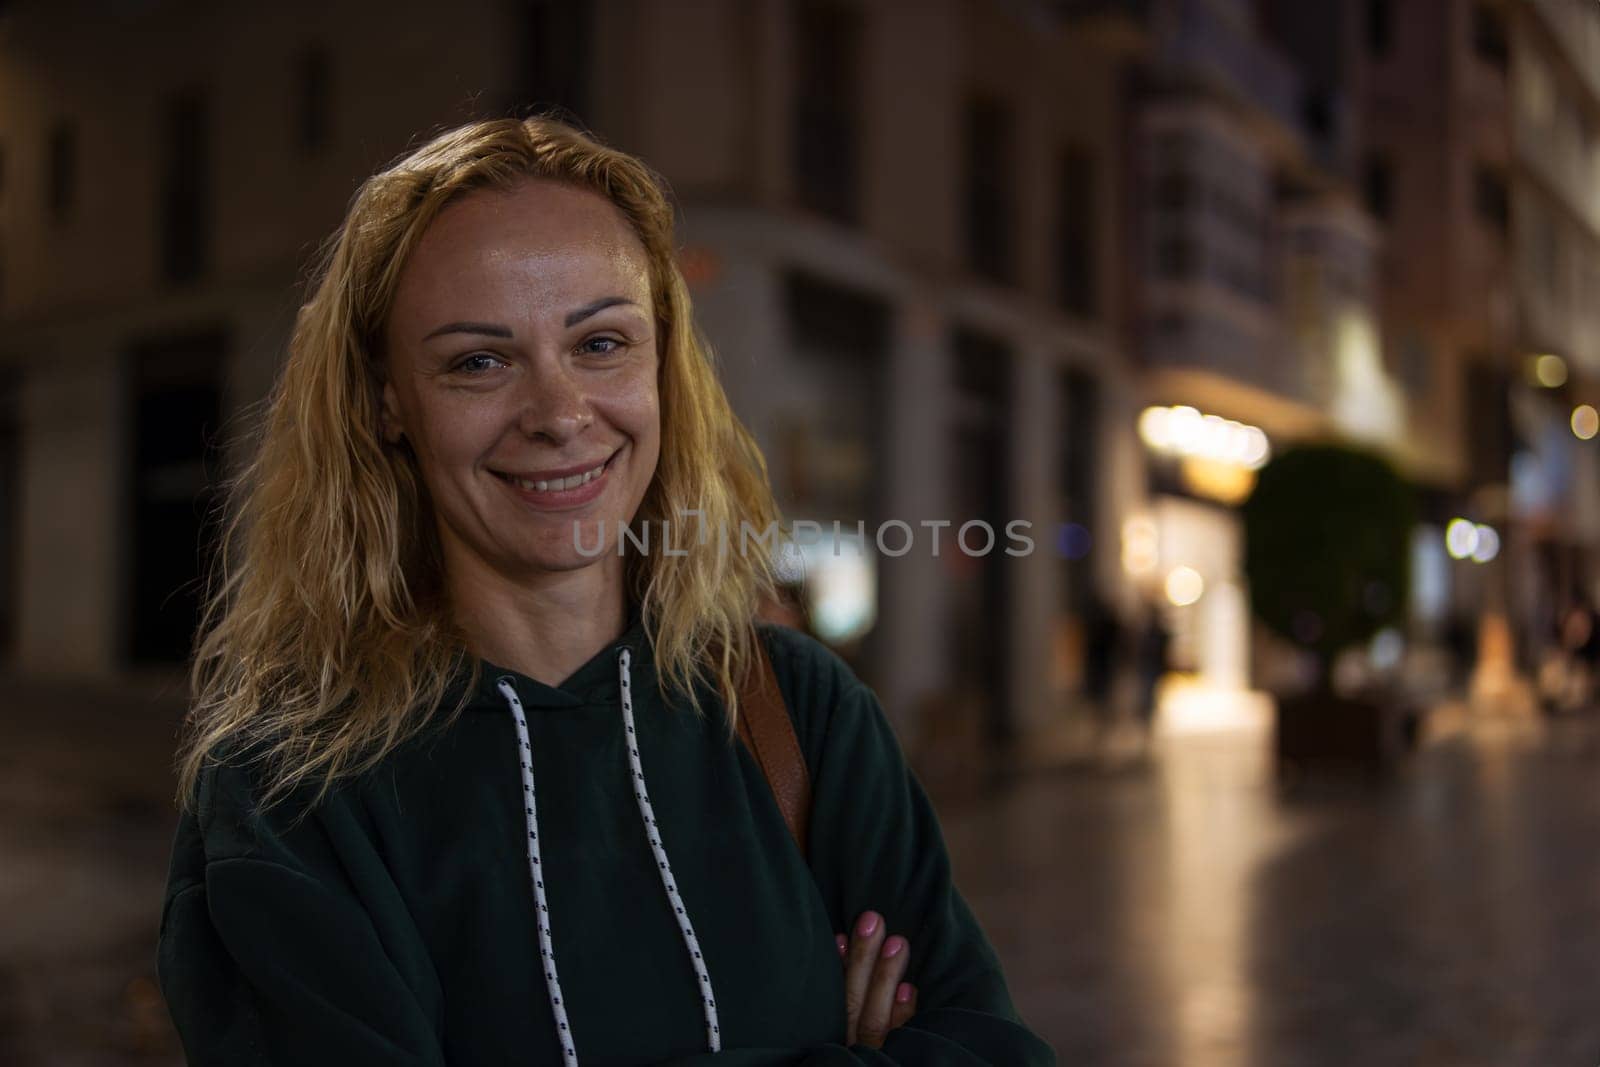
(1549,370)
(1184,586)
(1585,422)
(1460,538)
(1073,540)
(1141,546)
(1387,648)
(1185,432)
(1487,545)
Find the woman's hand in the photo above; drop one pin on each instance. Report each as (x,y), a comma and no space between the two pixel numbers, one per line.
(876,1000)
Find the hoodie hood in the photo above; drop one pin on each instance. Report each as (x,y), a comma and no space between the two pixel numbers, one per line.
(593,685)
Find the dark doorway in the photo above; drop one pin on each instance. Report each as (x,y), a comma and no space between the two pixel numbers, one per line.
(175,462)
(828,463)
(10,510)
(1079,404)
(981,490)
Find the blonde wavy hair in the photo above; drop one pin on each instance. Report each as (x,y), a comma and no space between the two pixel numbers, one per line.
(326,639)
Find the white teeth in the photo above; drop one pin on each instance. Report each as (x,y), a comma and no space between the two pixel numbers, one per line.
(560,483)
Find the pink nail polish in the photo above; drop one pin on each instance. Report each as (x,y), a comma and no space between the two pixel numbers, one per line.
(903,994)
(868,924)
(892,947)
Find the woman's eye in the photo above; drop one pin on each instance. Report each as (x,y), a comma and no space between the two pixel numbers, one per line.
(477,363)
(600,346)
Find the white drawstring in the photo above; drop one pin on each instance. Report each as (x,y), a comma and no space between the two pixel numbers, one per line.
(692,943)
(663,864)
(547,952)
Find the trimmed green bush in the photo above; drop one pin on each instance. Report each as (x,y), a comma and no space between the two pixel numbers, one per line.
(1328,546)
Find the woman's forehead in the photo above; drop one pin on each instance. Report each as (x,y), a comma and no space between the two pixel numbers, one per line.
(539,244)
(534,214)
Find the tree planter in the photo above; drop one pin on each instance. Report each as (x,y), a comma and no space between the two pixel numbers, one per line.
(1327,556)
(1360,733)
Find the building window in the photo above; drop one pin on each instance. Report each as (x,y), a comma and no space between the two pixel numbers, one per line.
(1075,244)
(552,55)
(824,316)
(826,105)
(61,176)
(1489,445)
(1491,198)
(1489,36)
(1317,113)
(186,188)
(990,174)
(313,117)
(1378,185)
(1176,259)
(1380,27)
(1177,191)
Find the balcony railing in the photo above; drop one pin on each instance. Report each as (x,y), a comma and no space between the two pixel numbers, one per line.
(1200,39)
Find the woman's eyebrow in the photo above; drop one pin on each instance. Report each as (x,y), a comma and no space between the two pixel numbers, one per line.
(575,317)
(491,329)
(487,329)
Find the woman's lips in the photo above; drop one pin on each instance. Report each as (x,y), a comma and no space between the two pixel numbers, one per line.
(558,499)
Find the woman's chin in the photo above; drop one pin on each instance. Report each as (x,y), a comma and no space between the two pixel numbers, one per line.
(591,545)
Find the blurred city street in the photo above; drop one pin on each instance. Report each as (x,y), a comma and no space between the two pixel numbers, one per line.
(1183,908)
(1271,325)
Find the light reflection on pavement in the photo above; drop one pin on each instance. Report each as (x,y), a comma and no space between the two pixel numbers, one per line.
(1196,912)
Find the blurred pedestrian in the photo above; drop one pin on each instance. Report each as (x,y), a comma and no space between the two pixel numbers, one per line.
(1155,643)
(430,614)
(1461,640)
(1579,641)
(1102,641)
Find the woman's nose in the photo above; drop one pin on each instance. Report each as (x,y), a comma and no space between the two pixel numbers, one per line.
(554,406)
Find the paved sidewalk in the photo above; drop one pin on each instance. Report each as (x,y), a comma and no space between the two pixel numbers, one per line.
(1193,912)
(86,819)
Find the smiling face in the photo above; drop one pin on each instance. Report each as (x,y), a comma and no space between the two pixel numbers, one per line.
(521,359)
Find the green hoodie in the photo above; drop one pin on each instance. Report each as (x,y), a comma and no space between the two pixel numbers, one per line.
(400,921)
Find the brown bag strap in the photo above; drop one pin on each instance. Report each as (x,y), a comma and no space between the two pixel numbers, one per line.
(768,732)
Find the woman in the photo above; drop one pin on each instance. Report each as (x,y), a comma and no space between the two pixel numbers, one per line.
(461,783)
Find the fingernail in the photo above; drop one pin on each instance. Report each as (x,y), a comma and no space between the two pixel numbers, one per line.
(903,993)
(867,925)
(843,943)
(892,947)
